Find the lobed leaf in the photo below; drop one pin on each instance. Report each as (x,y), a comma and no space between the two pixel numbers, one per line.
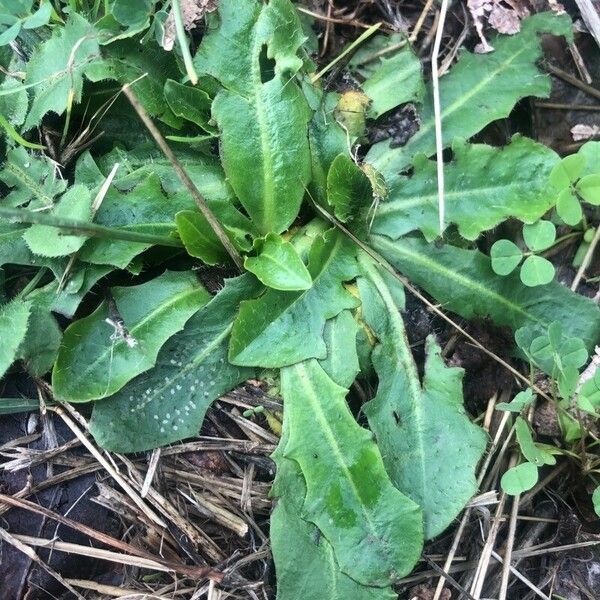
(297,544)
(96,359)
(262,114)
(416,425)
(169,402)
(479,89)
(375,531)
(483,187)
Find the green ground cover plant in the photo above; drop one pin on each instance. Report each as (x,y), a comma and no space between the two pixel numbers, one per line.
(322,233)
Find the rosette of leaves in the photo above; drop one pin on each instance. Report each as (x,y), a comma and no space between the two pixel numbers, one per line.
(535,270)
(152,355)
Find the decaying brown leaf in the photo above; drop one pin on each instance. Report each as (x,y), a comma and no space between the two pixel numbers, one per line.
(192,12)
(583,132)
(502,15)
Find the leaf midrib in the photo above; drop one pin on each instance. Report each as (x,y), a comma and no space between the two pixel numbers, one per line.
(389,156)
(150,316)
(466,282)
(330,438)
(407,362)
(193,364)
(406,202)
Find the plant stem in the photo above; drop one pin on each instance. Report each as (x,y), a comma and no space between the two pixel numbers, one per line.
(183,43)
(83,229)
(586,260)
(437,110)
(185,178)
(32,283)
(359,40)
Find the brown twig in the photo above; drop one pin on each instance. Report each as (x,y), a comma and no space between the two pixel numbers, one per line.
(563,106)
(349,22)
(184,177)
(30,553)
(584,87)
(103,538)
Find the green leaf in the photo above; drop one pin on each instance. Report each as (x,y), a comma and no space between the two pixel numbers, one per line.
(348,188)
(588,188)
(10,34)
(189,103)
(299,549)
(199,238)
(14,317)
(518,403)
(281,328)
(536,270)
(169,402)
(591,152)
(97,358)
(464,282)
(394,81)
(297,545)
(596,500)
(262,114)
(66,301)
(57,67)
(144,209)
(32,180)
(76,203)
(540,235)
(128,60)
(132,14)
(567,171)
(326,137)
(416,426)
(505,257)
(14,106)
(483,187)
(568,207)
(40,17)
(519,479)
(341,362)
(493,83)
(530,451)
(278,265)
(375,531)
(39,348)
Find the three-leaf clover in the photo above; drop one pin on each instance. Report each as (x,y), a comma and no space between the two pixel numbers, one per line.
(535,270)
(554,353)
(569,178)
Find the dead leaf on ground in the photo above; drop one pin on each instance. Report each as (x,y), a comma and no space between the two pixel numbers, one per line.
(582,132)
(502,15)
(426,592)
